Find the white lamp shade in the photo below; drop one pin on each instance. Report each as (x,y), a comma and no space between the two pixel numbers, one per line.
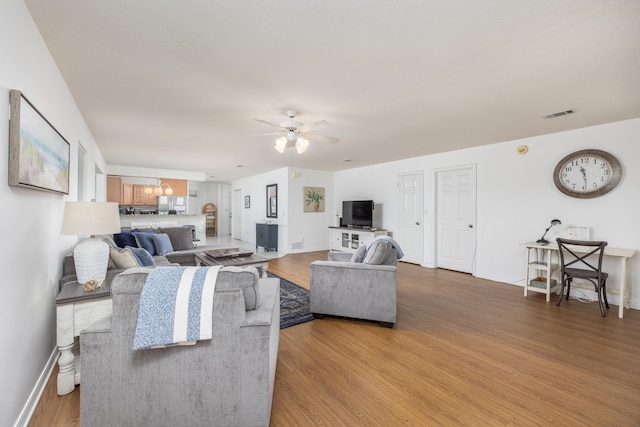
(301,145)
(90,218)
(281,144)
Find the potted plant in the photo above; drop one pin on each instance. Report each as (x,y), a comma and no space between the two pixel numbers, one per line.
(313,197)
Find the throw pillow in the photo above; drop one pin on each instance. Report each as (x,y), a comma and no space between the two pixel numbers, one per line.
(145,240)
(162,243)
(359,254)
(245,279)
(123,258)
(143,256)
(181,237)
(108,239)
(124,239)
(377,252)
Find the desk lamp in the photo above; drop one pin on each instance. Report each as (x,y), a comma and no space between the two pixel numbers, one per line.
(542,239)
(91,255)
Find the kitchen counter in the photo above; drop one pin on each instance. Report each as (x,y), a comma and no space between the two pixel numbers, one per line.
(155,221)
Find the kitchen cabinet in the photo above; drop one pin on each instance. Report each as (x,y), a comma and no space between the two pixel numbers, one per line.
(141,198)
(127,194)
(114,189)
(180,187)
(267,236)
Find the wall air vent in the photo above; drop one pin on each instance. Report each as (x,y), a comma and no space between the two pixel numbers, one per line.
(558,114)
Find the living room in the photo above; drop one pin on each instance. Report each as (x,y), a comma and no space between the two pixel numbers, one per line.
(516,199)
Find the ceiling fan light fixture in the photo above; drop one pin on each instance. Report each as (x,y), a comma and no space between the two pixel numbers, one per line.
(301,145)
(281,144)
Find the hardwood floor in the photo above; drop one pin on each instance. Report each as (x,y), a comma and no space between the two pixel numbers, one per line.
(464,352)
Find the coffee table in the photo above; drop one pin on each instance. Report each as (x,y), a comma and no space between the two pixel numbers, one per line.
(202,259)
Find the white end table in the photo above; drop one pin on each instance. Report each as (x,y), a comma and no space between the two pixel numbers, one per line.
(76,310)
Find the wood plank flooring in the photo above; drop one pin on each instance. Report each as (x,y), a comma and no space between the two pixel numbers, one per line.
(464,352)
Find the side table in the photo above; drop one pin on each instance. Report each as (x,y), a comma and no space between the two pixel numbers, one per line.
(76,310)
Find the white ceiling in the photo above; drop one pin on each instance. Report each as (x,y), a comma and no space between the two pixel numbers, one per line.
(177,85)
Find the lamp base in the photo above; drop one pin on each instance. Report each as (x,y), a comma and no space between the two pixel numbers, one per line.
(91,258)
(542,241)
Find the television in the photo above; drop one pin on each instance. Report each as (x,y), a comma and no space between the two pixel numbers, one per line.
(357,213)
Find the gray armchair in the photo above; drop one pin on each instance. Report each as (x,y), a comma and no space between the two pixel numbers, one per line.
(225,381)
(360,290)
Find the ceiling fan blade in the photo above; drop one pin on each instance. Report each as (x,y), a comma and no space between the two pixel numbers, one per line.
(317,125)
(317,137)
(267,123)
(268,134)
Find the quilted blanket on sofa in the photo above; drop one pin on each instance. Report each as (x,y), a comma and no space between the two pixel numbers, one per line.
(176,307)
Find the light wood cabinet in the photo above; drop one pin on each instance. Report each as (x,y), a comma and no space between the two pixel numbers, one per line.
(179,186)
(127,194)
(138,195)
(114,189)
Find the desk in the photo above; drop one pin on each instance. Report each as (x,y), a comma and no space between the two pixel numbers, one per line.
(75,311)
(546,263)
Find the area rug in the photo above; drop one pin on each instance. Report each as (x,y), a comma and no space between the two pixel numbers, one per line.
(294,303)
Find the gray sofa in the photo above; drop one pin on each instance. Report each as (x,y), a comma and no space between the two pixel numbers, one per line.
(183,255)
(361,290)
(226,381)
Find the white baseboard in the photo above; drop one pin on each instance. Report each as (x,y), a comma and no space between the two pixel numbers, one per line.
(36,393)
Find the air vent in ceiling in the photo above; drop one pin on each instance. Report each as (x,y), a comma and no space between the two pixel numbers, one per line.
(558,114)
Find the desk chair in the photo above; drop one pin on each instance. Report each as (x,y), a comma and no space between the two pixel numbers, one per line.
(575,265)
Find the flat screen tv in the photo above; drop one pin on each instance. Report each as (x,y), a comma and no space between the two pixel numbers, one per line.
(357,213)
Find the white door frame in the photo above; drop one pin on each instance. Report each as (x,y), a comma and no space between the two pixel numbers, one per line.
(237,214)
(434,206)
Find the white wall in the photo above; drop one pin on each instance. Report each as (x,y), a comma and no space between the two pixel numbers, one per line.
(256,188)
(516,197)
(297,231)
(308,231)
(31,255)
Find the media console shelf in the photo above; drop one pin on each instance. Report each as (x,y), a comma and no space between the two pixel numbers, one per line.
(348,239)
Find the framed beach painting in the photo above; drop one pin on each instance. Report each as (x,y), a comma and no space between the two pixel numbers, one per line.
(38,153)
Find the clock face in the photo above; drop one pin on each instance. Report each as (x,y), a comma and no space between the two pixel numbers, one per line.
(587,173)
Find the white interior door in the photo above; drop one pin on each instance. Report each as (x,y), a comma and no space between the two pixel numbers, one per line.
(410,227)
(456,218)
(237,209)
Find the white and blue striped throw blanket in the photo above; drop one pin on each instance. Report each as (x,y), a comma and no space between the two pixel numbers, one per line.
(176,307)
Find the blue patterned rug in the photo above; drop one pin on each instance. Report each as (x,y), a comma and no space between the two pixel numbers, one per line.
(294,303)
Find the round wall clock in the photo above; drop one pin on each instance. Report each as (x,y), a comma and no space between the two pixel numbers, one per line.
(587,173)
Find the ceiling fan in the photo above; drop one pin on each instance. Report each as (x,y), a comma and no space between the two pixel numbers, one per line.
(296,134)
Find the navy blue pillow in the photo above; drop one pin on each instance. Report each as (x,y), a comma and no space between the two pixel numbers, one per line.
(143,256)
(124,239)
(145,240)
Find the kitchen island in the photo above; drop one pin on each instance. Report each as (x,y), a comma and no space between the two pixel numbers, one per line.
(156,221)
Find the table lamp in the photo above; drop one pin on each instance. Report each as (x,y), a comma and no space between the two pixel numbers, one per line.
(544,241)
(91,255)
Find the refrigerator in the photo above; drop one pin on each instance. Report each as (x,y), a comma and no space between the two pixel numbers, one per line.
(172,205)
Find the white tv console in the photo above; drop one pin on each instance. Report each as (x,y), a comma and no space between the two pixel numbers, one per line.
(348,239)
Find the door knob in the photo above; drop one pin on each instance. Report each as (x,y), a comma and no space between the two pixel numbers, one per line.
(417,222)
(470,226)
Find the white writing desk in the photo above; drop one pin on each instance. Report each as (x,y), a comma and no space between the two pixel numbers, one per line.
(547,264)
